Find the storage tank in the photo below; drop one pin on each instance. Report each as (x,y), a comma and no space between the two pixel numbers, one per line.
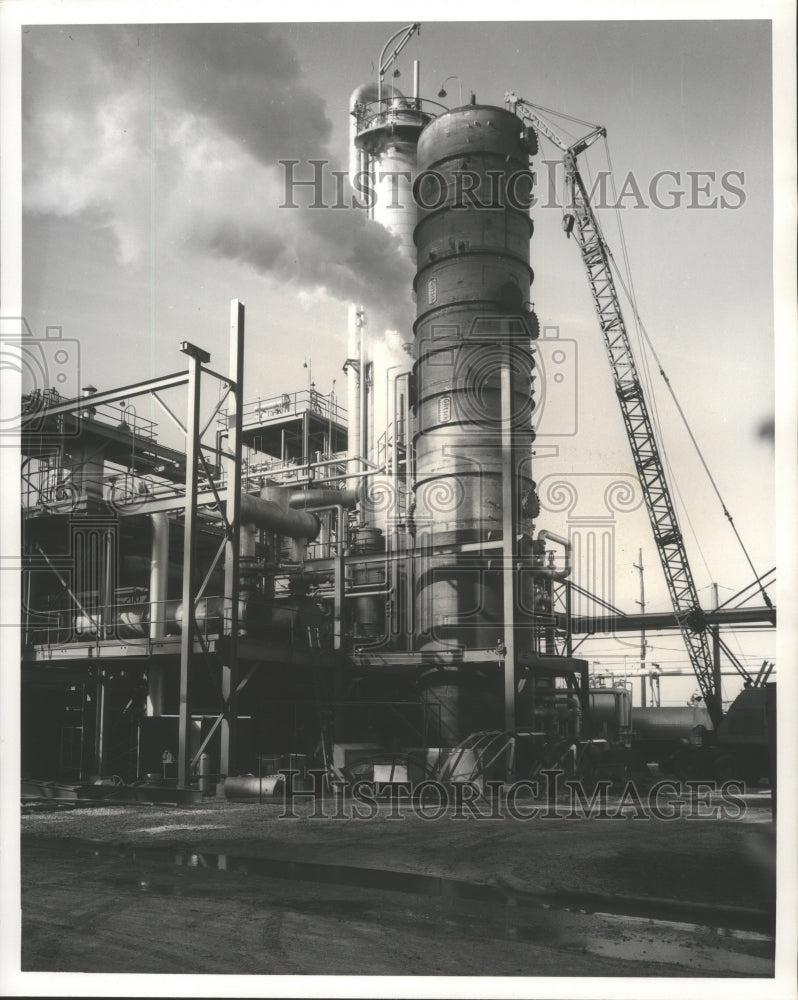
(670,723)
(659,733)
(610,713)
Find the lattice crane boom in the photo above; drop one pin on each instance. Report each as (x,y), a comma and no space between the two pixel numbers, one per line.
(634,410)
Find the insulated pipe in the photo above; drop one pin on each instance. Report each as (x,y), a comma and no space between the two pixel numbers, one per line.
(362,400)
(359,161)
(271,516)
(311,499)
(249,538)
(363,397)
(159,574)
(108,584)
(353,390)
(561,574)
(364,95)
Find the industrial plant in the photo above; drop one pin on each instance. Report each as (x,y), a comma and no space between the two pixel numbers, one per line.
(279,591)
(373,585)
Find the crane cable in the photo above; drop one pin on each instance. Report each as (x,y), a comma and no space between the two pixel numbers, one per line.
(642,330)
(725,509)
(630,296)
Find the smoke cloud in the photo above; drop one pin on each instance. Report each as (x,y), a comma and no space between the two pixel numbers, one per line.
(172,135)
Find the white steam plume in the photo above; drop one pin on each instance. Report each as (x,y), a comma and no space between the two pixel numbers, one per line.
(176,132)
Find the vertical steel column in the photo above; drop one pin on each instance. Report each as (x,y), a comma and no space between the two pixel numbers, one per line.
(108,587)
(508,543)
(362,402)
(27,576)
(338,624)
(569,639)
(187,629)
(99,725)
(232,556)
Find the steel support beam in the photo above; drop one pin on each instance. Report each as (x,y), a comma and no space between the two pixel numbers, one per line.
(508,546)
(232,558)
(187,632)
(109,396)
(176,502)
(340,580)
(667,620)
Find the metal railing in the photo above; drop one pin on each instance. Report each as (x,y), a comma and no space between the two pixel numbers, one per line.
(50,485)
(290,404)
(396,110)
(111,415)
(122,621)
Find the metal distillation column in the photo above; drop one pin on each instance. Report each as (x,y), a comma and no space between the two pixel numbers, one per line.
(473,405)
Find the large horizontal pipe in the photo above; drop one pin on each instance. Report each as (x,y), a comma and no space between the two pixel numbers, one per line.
(270,515)
(605,621)
(313,499)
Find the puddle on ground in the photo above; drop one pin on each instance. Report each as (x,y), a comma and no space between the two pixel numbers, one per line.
(731,923)
(735,944)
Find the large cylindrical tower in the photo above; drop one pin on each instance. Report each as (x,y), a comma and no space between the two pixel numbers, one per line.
(474,327)
(473,405)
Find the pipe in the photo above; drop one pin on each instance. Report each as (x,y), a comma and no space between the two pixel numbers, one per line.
(250,786)
(364,426)
(363,96)
(416,81)
(159,574)
(99,725)
(362,443)
(271,516)
(353,392)
(313,499)
(108,582)
(562,574)
(247,546)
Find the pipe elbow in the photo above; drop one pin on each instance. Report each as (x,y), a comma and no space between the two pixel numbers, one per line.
(561,574)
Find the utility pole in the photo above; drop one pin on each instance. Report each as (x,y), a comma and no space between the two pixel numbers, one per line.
(642,603)
(715,632)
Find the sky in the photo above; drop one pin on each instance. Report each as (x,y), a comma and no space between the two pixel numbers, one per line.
(151,194)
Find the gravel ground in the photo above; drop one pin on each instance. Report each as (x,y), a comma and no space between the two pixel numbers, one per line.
(686,859)
(231,888)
